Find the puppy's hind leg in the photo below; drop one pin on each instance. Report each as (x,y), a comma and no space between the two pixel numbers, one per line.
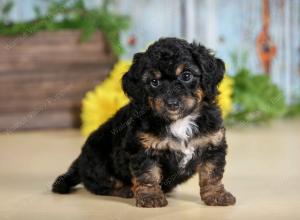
(65,182)
(109,186)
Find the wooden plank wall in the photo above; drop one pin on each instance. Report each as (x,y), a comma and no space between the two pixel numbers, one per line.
(44,77)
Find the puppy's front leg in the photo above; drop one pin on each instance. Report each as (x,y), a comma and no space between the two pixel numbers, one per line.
(146,184)
(211,171)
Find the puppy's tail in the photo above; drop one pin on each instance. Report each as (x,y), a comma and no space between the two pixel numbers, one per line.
(64,183)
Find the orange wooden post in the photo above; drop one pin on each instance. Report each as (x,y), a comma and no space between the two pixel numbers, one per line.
(265,47)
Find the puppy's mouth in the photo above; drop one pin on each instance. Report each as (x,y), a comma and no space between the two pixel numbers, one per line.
(173,111)
(174,114)
(173,108)
(176,110)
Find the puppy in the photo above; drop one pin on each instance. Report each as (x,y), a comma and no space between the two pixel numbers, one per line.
(171,129)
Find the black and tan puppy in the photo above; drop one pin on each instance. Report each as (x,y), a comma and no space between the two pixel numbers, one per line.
(171,129)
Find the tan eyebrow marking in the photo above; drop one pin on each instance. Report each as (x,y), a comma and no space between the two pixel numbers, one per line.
(157,74)
(179,69)
(150,74)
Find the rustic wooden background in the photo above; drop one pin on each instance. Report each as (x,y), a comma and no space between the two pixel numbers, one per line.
(44,77)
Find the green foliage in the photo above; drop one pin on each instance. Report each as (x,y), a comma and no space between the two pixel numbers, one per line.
(255,98)
(239,60)
(5,9)
(73,14)
(293,110)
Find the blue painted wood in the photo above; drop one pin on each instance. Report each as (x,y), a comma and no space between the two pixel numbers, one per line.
(23,9)
(236,26)
(150,21)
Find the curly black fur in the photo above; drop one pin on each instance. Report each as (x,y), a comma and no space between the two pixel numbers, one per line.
(142,151)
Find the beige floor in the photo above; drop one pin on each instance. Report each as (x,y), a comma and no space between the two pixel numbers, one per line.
(263,172)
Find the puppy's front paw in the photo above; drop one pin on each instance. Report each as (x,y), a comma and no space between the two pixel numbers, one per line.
(221,198)
(151,198)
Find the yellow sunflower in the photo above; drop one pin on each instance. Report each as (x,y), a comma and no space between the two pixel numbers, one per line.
(101,103)
(225,97)
(104,101)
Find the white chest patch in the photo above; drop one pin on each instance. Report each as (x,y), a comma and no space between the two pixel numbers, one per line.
(184,128)
(188,155)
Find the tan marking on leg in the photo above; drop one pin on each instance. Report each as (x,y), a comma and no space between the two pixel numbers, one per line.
(147,190)
(134,184)
(206,172)
(217,137)
(212,190)
(149,141)
(156,173)
(150,196)
(214,138)
(151,177)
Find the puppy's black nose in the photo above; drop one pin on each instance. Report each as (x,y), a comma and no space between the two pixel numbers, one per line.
(172,104)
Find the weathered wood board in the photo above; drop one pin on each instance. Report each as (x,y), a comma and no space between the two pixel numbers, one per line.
(44,77)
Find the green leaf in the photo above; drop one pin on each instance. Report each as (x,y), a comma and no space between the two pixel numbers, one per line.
(6,9)
(256,98)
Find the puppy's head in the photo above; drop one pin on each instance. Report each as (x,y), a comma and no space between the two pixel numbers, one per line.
(173,78)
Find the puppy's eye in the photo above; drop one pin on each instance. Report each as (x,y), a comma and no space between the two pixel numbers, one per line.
(186,76)
(154,83)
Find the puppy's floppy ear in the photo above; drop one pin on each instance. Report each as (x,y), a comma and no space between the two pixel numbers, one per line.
(212,68)
(131,81)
